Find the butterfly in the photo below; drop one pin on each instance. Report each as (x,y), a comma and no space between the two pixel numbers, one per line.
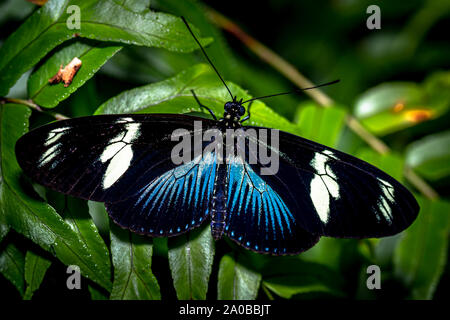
(126,161)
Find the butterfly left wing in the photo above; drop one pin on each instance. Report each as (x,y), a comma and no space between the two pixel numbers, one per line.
(126,162)
(334,194)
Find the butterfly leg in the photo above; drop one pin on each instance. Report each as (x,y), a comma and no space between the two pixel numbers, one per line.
(198,101)
(248,113)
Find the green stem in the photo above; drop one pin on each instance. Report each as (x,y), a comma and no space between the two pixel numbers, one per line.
(32,105)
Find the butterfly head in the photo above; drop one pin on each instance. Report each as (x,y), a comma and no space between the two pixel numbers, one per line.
(234,110)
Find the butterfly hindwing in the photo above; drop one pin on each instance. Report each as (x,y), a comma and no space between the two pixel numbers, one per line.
(172,203)
(257,216)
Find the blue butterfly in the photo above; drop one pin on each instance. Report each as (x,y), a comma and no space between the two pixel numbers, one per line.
(126,161)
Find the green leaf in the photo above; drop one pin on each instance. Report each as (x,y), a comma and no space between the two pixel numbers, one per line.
(75,213)
(99,216)
(391,163)
(430,156)
(96,294)
(289,276)
(323,125)
(135,5)
(174,96)
(4,227)
(326,252)
(35,268)
(12,266)
(28,214)
(93,55)
(102,20)
(132,260)
(421,254)
(219,52)
(190,259)
(393,106)
(236,281)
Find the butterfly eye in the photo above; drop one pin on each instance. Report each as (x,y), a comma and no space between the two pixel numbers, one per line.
(227,106)
(241,111)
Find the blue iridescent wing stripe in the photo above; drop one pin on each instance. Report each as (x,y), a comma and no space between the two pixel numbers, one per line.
(171,204)
(257,216)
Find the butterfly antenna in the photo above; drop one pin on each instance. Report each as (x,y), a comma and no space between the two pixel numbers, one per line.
(295,91)
(207,58)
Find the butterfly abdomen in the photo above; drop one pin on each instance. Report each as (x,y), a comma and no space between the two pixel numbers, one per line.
(219,203)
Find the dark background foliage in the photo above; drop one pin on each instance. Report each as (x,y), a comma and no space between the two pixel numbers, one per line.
(395,81)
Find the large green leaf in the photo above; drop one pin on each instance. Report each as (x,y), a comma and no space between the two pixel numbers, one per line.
(290,276)
(430,156)
(103,20)
(219,52)
(236,280)
(190,258)
(327,252)
(35,268)
(390,163)
(28,214)
(132,259)
(4,227)
(75,213)
(93,55)
(174,96)
(421,254)
(12,266)
(96,294)
(322,125)
(135,5)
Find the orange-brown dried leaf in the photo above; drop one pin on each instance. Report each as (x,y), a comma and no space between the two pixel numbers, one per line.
(38,2)
(67,73)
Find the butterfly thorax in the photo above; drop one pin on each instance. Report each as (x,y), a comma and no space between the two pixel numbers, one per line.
(234,110)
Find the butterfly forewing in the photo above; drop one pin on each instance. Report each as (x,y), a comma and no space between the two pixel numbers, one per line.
(102,158)
(331,193)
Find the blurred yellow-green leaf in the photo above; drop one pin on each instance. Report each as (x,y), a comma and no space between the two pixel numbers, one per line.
(421,253)
(430,156)
(394,106)
(322,125)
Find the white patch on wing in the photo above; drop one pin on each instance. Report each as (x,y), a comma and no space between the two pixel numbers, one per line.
(48,155)
(386,200)
(120,153)
(124,120)
(55,135)
(323,185)
(320,198)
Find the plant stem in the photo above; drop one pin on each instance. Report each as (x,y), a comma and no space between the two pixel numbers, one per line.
(290,72)
(32,105)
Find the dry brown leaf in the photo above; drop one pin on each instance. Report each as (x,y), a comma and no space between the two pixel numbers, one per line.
(67,73)
(38,2)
